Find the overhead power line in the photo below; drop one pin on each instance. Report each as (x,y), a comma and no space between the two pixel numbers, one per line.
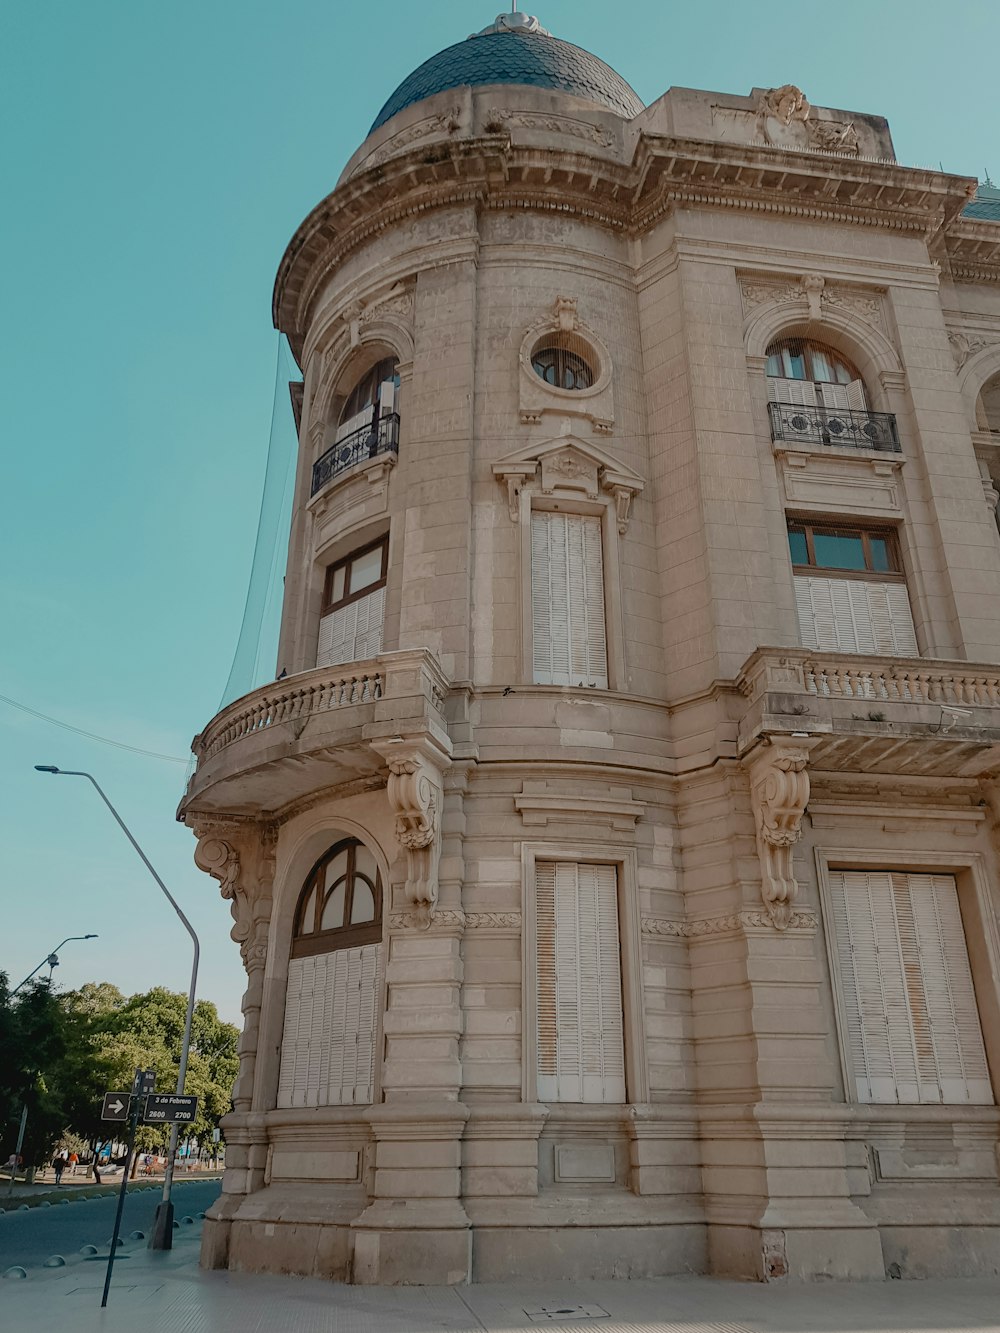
(90,735)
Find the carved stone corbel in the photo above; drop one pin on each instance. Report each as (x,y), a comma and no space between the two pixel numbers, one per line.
(245,871)
(352,317)
(812,285)
(623,503)
(416,791)
(779,793)
(221,860)
(565,310)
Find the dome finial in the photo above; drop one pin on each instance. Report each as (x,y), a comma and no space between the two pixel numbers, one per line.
(515,21)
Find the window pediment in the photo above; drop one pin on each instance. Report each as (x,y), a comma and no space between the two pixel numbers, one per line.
(571,467)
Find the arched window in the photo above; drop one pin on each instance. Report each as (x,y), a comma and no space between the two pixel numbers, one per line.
(372,398)
(340,905)
(805,373)
(368,424)
(328,1046)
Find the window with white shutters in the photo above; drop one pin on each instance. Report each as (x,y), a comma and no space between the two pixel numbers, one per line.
(569,646)
(350,628)
(850,593)
(579,1039)
(334,978)
(912,1031)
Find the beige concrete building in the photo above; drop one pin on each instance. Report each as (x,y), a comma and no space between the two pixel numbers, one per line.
(614,862)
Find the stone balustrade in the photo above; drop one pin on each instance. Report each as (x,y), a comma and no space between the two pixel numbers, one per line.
(287,701)
(875,712)
(853,676)
(314,729)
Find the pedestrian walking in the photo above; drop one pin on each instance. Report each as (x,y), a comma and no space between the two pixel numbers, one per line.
(97,1169)
(74,1162)
(59,1165)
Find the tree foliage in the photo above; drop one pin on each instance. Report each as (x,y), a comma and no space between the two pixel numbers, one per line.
(59,1054)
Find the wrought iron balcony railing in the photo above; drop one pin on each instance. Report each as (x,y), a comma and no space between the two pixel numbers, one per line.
(358,447)
(825,426)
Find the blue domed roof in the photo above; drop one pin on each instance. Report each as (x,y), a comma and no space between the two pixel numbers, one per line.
(524,55)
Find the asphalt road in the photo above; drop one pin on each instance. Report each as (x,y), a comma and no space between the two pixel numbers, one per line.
(30,1238)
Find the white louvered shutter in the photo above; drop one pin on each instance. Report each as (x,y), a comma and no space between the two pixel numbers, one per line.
(913,1032)
(352,633)
(328,1043)
(580,1041)
(387,398)
(357,422)
(844,397)
(852,616)
(569,645)
(797,393)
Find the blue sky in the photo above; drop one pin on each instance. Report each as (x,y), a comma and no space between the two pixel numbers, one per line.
(154,161)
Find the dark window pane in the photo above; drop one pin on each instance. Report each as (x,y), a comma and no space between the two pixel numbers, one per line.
(797,546)
(880,554)
(838,550)
(562,369)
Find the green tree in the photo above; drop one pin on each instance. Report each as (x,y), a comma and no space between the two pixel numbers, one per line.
(36,1035)
(146,1031)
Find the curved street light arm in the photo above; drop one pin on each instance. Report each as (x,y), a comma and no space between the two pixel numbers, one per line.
(161,1238)
(51,954)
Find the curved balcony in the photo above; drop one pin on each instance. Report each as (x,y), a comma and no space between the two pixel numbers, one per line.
(358,447)
(918,716)
(311,731)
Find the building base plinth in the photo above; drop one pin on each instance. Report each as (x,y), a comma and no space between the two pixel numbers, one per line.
(768,1254)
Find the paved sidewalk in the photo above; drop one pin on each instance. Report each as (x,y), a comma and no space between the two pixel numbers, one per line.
(168,1293)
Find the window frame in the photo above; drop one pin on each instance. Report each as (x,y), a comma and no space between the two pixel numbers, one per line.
(625,862)
(347,936)
(602,507)
(560,353)
(328,607)
(973,880)
(869,574)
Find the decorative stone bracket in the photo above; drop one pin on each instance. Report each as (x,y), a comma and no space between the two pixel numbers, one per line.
(251,911)
(567,464)
(244,862)
(779,793)
(416,789)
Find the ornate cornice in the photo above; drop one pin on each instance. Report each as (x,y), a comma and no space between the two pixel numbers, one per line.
(492,173)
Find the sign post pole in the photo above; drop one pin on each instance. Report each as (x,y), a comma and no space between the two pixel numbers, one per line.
(133,1120)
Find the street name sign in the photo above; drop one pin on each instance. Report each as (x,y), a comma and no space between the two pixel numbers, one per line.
(115,1106)
(144,1081)
(163,1106)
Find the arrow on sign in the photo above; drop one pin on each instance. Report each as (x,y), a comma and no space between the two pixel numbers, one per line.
(115,1106)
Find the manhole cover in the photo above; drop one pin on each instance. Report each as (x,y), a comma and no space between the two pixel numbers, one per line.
(565,1314)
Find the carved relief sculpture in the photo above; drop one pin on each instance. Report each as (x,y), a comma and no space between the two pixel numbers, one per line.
(785,105)
(779,792)
(834,136)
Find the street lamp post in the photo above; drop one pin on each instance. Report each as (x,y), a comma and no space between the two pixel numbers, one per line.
(162,1235)
(52,959)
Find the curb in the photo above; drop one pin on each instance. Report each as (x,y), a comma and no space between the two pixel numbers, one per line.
(23,1205)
